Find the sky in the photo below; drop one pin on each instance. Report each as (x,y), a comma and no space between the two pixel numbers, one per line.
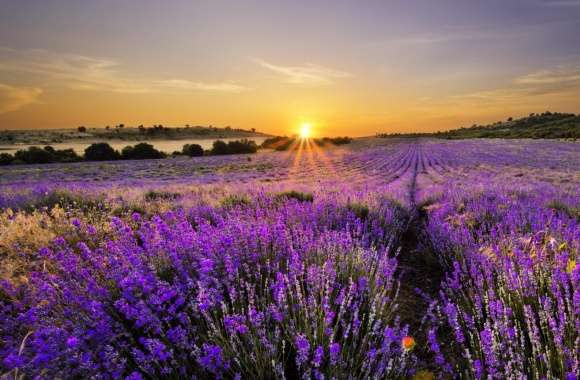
(348,67)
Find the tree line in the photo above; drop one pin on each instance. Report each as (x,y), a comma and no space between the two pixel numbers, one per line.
(546,125)
(102,151)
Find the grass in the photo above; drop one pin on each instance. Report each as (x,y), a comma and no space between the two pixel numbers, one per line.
(572,212)
(153,195)
(297,195)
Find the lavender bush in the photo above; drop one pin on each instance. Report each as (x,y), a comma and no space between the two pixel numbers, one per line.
(511,300)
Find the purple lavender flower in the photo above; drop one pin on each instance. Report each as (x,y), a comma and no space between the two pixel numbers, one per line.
(302,348)
(334,352)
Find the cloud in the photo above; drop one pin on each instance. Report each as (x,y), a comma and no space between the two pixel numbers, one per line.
(14,98)
(561,80)
(442,37)
(183,84)
(80,72)
(75,71)
(560,75)
(309,74)
(538,88)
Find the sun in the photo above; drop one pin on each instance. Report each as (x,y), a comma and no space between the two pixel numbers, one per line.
(305,130)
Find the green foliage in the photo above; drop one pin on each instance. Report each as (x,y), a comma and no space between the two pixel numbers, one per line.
(153,195)
(572,212)
(234,147)
(235,200)
(242,146)
(547,125)
(128,208)
(360,210)
(6,159)
(141,151)
(101,152)
(68,201)
(192,150)
(220,148)
(299,196)
(279,143)
(46,155)
(338,140)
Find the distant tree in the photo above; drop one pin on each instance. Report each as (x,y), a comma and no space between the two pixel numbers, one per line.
(220,148)
(510,118)
(66,155)
(46,155)
(6,159)
(35,155)
(192,150)
(141,151)
(101,152)
(338,140)
(279,143)
(253,130)
(243,146)
(107,127)
(141,128)
(82,129)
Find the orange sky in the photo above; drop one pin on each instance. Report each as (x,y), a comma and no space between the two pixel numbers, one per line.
(349,68)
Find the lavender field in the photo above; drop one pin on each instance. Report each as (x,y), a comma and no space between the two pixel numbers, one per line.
(383,259)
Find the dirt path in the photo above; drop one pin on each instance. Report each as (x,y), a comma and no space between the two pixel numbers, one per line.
(420,271)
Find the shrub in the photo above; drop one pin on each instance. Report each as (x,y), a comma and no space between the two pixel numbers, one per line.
(220,148)
(571,212)
(101,152)
(192,150)
(242,146)
(235,201)
(141,151)
(46,155)
(279,143)
(153,195)
(360,210)
(68,201)
(66,155)
(34,155)
(6,159)
(234,147)
(299,196)
(338,140)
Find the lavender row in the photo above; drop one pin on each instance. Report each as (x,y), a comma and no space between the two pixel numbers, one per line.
(510,305)
(276,287)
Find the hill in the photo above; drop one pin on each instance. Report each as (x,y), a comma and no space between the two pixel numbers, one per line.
(122,132)
(547,125)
